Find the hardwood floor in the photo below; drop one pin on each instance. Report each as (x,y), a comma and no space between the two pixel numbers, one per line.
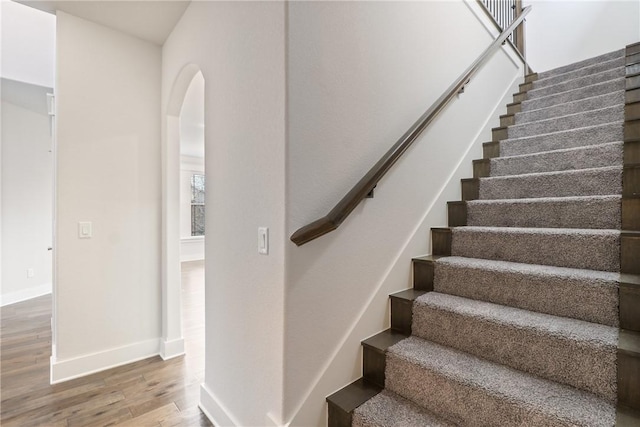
(151,392)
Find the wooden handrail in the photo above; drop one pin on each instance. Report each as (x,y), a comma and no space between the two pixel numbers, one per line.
(334,218)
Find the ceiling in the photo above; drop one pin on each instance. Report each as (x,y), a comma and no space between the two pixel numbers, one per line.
(150,20)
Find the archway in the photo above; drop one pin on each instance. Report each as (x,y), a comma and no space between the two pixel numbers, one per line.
(172,344)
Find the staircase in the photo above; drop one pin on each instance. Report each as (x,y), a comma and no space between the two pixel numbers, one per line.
(528,311)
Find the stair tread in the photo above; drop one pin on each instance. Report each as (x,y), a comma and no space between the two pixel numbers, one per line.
(596,249)
(353,395)
(588,295)
(608,74)
(619,93)
(589,334)
(579,137)
(546,200)
(536,230)
(564,131)
(564,69)
(554,173)
(558,151)
(604,277)
(612,108)
(605,65)
(518,388)
(387,409)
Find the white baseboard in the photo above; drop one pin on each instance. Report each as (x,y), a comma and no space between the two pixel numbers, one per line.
(171,349)
(191,257)
(25,294)
(214,410)
(65,370)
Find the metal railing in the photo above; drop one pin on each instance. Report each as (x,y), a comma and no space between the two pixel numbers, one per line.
(503,13)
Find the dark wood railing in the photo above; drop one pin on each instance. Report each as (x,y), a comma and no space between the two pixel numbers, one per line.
(366,185)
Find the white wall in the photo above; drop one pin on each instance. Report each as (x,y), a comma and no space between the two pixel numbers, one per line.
(28,44)
(191,247)
(562,32)
(108,172)
(27,191)
(359,74)
(240,49)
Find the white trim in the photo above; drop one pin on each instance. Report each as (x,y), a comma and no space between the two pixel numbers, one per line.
(171,349)
(214,409)
(65,370)
(25,294)
(192,239)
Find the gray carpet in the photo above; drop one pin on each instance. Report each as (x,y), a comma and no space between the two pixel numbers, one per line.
(387,409)
(593,156)
(570,121)
(579,106)
(539,90)
(569,351)
(560,247)
(579,294)
(595,68)
(574,95)
(581,137)
(582,182)
(472,391)
(547,212)
(522,328)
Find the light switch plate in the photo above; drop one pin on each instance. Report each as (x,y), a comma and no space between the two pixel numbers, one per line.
(263,240)
(84,230)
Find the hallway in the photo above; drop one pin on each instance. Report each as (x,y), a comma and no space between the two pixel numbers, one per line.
(150,392)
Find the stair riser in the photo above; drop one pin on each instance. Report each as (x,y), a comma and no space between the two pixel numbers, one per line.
(630,214)
(583,105)
(582,64)
(457,214)
(441,241)
(442,396)
(531,77)
(587,251)
(423,275)
(593,369)
(628,384)
(594,300)
(581,72)
(481,168)
(519,97)
(590,157)
(589,182)
(630,252)
(574,95)
(577,83)
(490,150)
(590,118)
(507,120)
(592,214)
(514,108)
(373,366)
(629,297)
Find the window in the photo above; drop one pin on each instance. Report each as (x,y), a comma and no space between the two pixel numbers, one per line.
(197,205)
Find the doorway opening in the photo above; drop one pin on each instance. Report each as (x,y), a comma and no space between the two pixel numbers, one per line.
(192,219)
(183,217)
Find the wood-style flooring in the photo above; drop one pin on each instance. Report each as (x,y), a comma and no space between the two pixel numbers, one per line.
(151,392)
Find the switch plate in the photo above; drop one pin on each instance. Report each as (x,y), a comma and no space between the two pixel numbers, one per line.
(84,230)
(30,273)
(263,240)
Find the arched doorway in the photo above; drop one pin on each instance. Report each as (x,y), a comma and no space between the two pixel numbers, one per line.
(173,343)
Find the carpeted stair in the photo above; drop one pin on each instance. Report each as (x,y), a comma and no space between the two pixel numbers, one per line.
(520,326)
